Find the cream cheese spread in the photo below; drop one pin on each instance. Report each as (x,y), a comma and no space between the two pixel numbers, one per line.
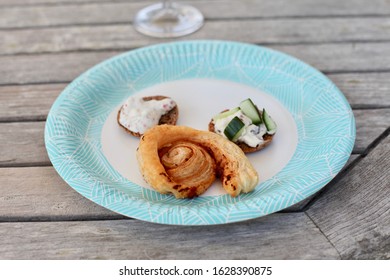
(139,115)
(252,134)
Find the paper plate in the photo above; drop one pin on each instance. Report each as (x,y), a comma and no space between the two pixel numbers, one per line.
(315,137)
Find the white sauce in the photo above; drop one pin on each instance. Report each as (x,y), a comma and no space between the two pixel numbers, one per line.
(252,135)
(138,115)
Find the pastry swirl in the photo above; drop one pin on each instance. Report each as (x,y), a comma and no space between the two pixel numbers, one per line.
(185,162)
(190,164)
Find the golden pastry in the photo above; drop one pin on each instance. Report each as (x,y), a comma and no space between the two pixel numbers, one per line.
(185,162)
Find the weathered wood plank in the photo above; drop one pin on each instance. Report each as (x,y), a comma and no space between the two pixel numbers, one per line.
(69,14)
(32,102)
(123,36)
(63,67)
(355,213)
(91,12)
(276,236)
(27,103)
(39,193)
(370,124)
(22,200)
(364,90)
(22,143)
(302,204)
(18,3)
(342,57)
(48,68)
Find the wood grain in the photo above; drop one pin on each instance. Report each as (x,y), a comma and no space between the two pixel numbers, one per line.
(47,43)
(364,90)
(124,36)
(48,68)
(331,58)
(32,102)
(40,194)
(22,143)
(355,214)
(277,236)
(28,102)
(18,3)
(300,206)
(370,124)
(34,13)
(64,67)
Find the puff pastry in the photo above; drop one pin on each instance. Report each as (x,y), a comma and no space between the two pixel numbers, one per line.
(185,162)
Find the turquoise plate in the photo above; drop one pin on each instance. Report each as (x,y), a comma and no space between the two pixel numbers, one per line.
(324,122)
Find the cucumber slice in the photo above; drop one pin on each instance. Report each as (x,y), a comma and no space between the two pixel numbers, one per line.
(226,114)
(249,109)
(234,129)
(269,123)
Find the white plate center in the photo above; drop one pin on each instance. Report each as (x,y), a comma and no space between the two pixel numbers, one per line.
(198,101)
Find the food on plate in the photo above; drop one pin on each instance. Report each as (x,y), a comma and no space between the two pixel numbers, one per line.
(138,114)
(185,162)
(247,126)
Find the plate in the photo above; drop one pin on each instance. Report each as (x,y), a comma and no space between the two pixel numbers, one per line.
(316,128)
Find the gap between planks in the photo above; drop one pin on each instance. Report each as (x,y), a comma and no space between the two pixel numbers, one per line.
(270,45)
(323,234)
(31,150)
(275,8)
(328,58)
(345,171)
(112,216)
(281,236)
(221,19)
(80,38)
(42,118)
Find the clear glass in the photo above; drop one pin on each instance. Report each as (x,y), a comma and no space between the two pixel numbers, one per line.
(168,20)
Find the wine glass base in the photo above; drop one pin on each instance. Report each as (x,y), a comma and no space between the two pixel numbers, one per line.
(175,21)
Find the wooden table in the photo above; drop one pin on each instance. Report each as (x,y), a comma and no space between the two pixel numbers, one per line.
(45,44)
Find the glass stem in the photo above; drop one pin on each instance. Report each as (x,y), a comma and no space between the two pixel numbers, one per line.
(167,4)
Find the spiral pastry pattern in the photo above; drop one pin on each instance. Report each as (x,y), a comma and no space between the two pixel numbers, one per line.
(185,162)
